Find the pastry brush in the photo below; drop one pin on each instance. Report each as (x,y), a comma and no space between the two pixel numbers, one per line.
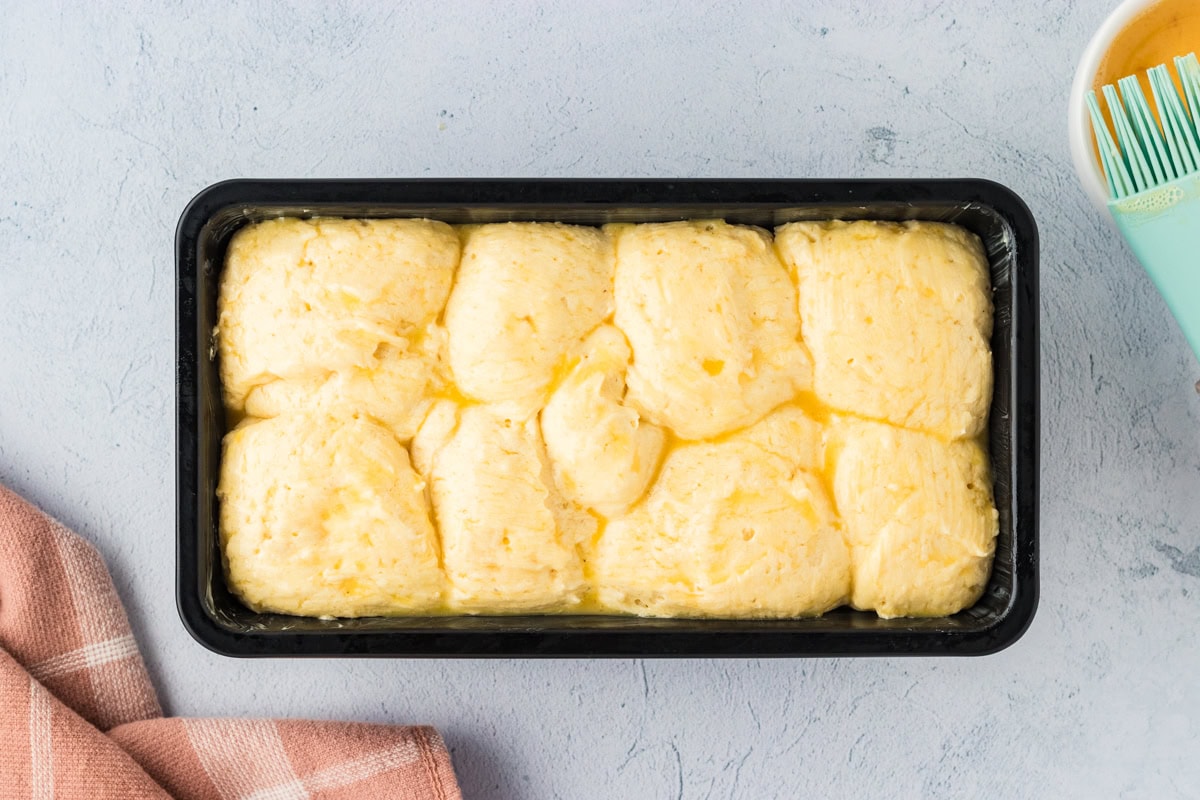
(1153,174)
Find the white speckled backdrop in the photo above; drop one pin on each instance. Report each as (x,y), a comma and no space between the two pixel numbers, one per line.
(110,120)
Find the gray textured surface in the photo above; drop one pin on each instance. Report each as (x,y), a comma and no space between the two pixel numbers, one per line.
(111,120)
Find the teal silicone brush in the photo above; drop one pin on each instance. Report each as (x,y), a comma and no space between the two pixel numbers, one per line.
(1153,175)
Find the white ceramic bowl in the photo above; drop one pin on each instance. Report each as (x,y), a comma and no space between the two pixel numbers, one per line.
(1079,125)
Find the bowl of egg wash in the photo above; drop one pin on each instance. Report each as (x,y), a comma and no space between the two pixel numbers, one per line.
(1136,36)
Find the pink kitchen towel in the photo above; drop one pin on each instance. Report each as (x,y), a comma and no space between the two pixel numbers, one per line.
(80,719)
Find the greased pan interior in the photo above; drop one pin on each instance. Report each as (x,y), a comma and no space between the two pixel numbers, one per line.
(219,621)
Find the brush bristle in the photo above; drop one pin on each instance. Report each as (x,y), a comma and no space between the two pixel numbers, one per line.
(1149,150)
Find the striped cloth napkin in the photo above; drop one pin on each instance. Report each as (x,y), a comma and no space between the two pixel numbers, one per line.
(79,717)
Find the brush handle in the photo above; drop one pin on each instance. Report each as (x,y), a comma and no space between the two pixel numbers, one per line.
(1164,232)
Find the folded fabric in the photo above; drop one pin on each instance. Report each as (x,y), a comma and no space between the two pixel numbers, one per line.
(80,719)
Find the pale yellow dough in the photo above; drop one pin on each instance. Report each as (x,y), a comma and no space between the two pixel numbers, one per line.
(626,420)
(341,311)
(525,295)
(898,318)
(919,517)
(711,316)
(509,541)
(322,516)
(396,390)
(604,454)
(738,528)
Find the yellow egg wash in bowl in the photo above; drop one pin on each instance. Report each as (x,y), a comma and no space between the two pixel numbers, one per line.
(1156,36)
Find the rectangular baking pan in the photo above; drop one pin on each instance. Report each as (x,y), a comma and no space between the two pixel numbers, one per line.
(219,621)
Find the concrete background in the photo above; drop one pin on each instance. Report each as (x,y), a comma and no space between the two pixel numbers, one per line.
(112,118)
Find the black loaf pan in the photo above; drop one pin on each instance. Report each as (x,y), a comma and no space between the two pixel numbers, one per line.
(219,621)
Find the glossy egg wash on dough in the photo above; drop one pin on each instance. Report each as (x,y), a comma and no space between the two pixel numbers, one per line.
(679,419)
